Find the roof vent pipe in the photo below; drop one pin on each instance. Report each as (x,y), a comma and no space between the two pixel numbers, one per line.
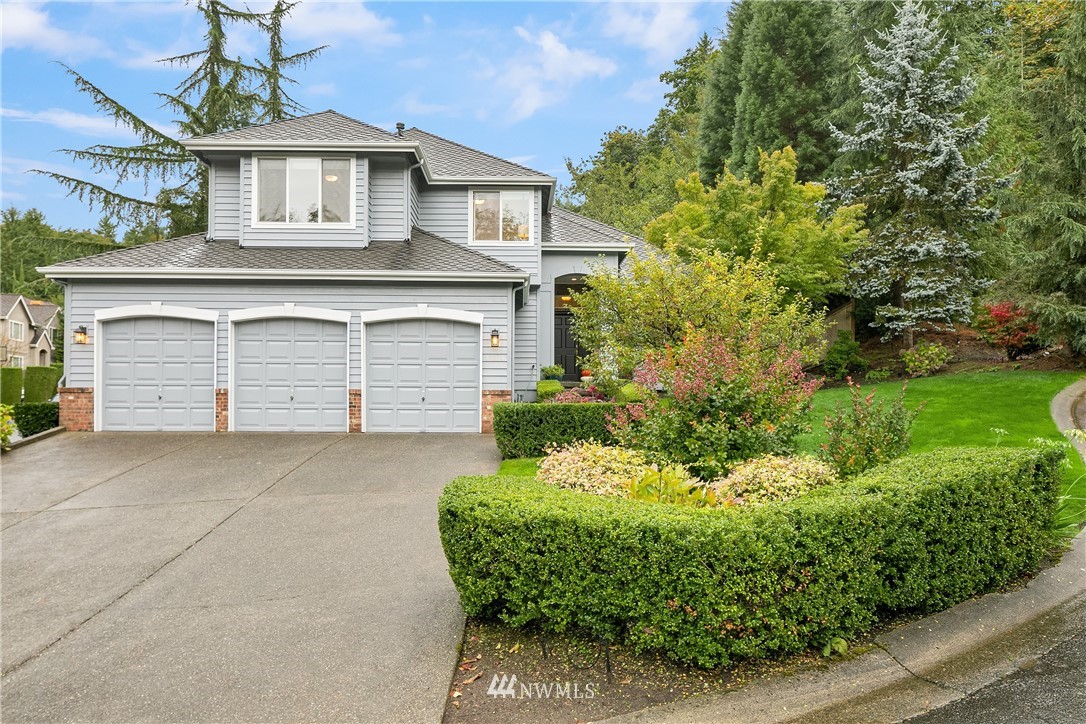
(399,129)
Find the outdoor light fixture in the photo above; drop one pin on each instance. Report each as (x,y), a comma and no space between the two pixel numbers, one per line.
(494,338)
(331,178)
(80,336)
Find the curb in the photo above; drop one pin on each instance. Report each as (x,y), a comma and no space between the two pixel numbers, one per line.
(34,438)
(925,664)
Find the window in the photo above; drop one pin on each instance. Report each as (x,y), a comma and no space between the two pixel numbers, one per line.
(304,190)
(16,330)
(501,215)
(16,361)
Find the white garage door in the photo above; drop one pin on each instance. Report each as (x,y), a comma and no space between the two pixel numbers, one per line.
(290,375)
(158,373)
(422,375)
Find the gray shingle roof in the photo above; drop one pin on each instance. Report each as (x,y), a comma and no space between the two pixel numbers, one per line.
(41,312)
(423,252)
(323,126)
(447,158)
(562,226)
(7,302)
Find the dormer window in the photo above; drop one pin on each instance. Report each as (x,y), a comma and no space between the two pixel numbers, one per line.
(501,216)
(300,191)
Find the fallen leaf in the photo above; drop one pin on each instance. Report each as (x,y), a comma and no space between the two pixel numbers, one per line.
(470,679)
(455,693)
(466,666)
(515,649)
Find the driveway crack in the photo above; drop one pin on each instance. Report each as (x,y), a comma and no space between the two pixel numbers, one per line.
(38,652)
(915,675)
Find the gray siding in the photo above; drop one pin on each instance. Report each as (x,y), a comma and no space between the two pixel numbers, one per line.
(83,298)
(414,191)
(302,235)
(525,343)
(387,204)
(225,220)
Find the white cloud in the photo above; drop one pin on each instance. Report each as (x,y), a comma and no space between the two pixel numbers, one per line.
(28,25)
(663,29)
(77,122)
(321,22)
(413,105)
(521,160)
(645,90)
(321,89)
(544,75)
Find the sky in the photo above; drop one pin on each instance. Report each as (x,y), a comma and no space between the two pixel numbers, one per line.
(533,82)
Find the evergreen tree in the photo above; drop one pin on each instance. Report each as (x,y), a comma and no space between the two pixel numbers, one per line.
(277,104)
(221,93)
(924,199)
(722,87)
(786,79)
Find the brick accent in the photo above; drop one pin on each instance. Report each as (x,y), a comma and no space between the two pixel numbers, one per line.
(354,410)
(222,409)
(489,398)
(77,408)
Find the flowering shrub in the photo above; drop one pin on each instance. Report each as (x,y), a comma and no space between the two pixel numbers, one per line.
(925,358)
(670,484)
(771,478)
(7,425)
(865,433)
(1008,326)
(723,406)
(592,468)
(580,394)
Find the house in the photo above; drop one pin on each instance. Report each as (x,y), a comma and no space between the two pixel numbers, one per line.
(351,279)
(26,331)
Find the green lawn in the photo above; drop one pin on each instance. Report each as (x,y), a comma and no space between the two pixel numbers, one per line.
(959,409)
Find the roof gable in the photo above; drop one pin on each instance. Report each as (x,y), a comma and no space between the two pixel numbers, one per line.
(8,302)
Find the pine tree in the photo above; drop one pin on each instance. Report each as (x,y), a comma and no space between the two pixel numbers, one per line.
(722,87)
(221,93)
(277,103)
(924,199)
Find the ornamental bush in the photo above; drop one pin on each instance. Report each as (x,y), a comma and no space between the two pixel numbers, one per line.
(528,429)
(722,407)
(591,467)
(546,389)
(772,478)
(709,586)
(1009,327)
(40,383)
(34,417)
(843,357)
(866,433)
(631,392)
(7,426)
(926,358)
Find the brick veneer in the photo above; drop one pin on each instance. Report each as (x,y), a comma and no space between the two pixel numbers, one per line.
(222,409)
(354,410)
(77,408)
(489,398)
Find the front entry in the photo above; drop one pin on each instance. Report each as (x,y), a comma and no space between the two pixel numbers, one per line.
(566,349)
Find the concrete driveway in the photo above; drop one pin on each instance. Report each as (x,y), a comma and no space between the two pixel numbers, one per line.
(229,577)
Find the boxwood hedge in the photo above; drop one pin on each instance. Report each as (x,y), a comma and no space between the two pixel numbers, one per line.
(525,429)
(34,417)
(710,586)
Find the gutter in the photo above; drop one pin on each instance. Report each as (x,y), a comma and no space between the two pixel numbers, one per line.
(57,273)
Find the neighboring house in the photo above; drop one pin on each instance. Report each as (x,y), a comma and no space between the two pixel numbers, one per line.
(26,331)
(350,279)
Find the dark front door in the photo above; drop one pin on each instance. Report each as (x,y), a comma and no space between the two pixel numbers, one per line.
(566,349)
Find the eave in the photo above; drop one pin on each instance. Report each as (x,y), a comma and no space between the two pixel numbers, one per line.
(166,273)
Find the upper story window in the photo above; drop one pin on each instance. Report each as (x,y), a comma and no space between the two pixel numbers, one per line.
(16,330)
(15,361)
(501,216)
(304,191)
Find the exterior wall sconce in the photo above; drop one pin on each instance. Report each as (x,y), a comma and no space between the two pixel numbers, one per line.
(495,339)
(80,336)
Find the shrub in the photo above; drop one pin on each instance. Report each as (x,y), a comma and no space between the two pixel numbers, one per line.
(709,586)
(925,358)
(723,407)
(864,433)
(591,393)
(671,484)
(771,479)
(11,385)
(527,429)
(631,393)
(546,389)
(877,376)
(7,426)
(552,372)
(591,468)
(1009,327)
(843,357)
(40,383)
(34,417)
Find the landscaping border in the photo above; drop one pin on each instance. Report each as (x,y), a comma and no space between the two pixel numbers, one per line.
(22,442)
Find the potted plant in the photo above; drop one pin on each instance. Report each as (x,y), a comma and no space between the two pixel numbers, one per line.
(586,377)
(553,372)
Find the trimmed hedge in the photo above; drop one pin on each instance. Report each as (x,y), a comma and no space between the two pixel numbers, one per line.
(11,385)
(708,586)
(546,389)
(526,429)
(34,417)
(40,383)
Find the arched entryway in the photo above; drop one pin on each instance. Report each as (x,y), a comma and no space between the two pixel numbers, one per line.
(566,350)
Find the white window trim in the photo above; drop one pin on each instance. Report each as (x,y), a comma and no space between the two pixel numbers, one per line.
(14,325)
(254,202)
(494,243)
(16,361)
